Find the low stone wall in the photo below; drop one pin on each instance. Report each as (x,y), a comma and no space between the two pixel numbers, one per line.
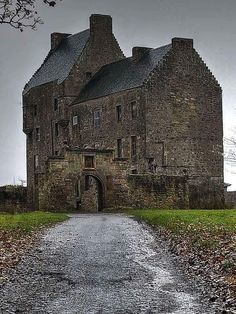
(158,191)
(206,193)
(13,199)
(230,199)
(63,186)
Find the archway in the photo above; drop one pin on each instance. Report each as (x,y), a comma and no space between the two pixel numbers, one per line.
(92,193)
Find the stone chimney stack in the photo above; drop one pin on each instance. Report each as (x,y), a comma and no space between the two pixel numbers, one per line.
(182,43)
(138,52)
(100,25)
(56,39)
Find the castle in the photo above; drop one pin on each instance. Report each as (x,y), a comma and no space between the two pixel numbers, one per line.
(106,131)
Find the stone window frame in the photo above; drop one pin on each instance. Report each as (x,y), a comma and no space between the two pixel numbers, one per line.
(37,134)
(134,171)
(119,113)
(120,148)
(56,129)
(133,109)
(55,104)
(93,164)
(97,119)
(35,110)
(75,120)
(36,161)
(88,75)
(133,146)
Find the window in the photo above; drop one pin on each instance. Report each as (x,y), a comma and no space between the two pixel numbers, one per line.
(75,120)
(55,105)
(36,161)
(97,118)
(119,148)
(56,129)
(133,146)
(89,161)
(133,110)
(118,113)
(35,110)
(37,134)
(88,75)
(134,171)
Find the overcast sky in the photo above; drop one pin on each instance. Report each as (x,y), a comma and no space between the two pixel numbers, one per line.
(151,23)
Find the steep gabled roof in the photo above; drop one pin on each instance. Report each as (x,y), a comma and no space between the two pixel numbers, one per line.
(122,75)
(59,62)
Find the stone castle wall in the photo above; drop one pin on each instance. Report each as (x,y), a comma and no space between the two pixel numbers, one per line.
(177,127)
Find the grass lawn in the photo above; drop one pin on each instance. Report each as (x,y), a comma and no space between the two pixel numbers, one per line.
(27,222)
(190,221)
(18,233)
(206,242)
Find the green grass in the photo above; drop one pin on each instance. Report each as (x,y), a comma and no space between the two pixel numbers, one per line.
(29,221)
(190,221)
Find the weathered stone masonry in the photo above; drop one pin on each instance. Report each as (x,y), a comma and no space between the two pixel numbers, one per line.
(108,131)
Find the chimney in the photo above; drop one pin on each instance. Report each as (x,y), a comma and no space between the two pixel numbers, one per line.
(56,39)
(100,25)
(182,43)
(138,52)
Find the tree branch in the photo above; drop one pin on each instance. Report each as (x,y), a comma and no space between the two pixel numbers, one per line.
(21,14)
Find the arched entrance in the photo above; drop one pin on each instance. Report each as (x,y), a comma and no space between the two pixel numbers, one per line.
(92,193)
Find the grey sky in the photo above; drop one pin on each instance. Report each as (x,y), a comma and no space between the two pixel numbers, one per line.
(151,23)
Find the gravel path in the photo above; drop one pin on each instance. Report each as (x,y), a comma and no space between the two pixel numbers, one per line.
(99,264)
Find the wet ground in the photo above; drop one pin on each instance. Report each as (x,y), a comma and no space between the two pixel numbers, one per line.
(99,264)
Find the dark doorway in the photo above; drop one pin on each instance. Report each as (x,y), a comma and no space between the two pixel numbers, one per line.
(92,198)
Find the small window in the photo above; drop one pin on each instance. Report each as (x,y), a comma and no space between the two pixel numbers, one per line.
(55,104)
(75,120)
(133,110)
(118,113)
(89,161)
(134,171)
(37,134)
(35,110)
(88,75)
(119,148)
(36,161)
(56,129)
(97,118)
(56,152)
(133,146)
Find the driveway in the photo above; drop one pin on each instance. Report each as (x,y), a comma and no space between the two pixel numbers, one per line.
(102,263)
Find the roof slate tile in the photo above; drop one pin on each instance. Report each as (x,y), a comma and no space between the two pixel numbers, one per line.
(60,61)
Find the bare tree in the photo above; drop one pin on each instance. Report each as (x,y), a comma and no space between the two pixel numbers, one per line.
(21,14)
(230,150)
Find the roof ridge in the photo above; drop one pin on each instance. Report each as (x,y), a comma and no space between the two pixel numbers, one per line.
(71,35)
(122,74)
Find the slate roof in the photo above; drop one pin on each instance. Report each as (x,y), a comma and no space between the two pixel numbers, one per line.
(122,75)
(60,61)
